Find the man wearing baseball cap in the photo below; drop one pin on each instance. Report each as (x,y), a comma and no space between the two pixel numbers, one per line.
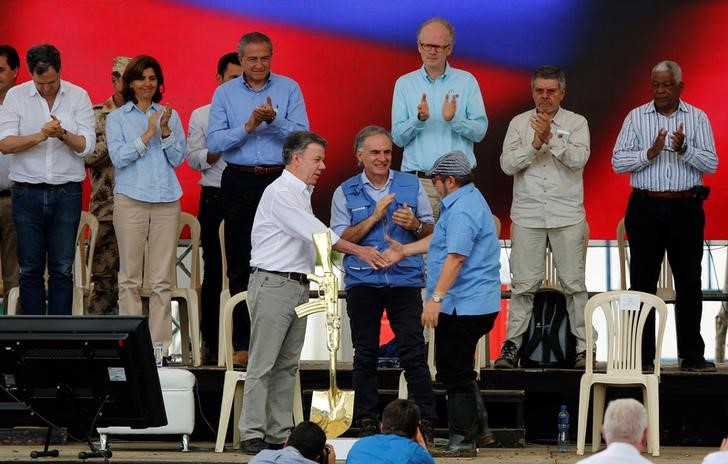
(463,294)
(105,290)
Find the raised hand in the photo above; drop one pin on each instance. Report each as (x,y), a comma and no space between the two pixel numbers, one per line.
(658,145)
(678,138)
(265,112)
(380,210)
(541,124)
(52,128)
(405,217)
(449,107)
(423,109)
(164,121)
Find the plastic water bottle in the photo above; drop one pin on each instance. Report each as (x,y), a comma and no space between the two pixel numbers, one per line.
(563,439)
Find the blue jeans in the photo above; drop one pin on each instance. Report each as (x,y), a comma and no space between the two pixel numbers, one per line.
(46,221)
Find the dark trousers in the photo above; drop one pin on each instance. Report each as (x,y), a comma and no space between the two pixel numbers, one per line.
(365,306)
(241,192)
(210,217)
(676,225)
(455,340)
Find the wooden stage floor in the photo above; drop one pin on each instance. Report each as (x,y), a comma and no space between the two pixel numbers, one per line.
(162,453)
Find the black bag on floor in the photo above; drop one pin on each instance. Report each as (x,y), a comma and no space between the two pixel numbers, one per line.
(548,342)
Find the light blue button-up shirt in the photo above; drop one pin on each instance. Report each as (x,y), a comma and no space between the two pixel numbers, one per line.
(145,172)
(232,105)
(425,141)
(466,227)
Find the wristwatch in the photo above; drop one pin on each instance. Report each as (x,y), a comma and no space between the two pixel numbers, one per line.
(437,298)
(418,230)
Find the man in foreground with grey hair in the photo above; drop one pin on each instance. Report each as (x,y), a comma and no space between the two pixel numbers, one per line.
(625,431)
(282,255)
(666,146)
(463,295)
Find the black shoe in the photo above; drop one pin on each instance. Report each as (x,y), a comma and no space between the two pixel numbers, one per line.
(697,365)
(274,446)
(508,358)
(368,427)
(253,446)
(428,432)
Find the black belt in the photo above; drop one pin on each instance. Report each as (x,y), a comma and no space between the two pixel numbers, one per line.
(420,174)
(42,185)
(297,276)
(257,170)
(665,195)
(4,193)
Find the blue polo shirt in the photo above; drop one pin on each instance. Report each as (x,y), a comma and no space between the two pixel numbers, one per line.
(466,228)
(388,449)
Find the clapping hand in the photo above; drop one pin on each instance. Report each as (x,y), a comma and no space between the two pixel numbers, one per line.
(423,109)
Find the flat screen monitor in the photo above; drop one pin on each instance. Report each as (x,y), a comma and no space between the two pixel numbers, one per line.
(78,371)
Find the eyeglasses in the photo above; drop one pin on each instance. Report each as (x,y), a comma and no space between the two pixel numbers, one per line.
(437,48)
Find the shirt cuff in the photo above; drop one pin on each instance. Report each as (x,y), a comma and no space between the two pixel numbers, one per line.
(334,236)
(644,160)
(141,148)
(166,143)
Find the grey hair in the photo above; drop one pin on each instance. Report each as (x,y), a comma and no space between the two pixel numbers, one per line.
(297,143)
(625,421)
(253,37)
(446,24)
(367,132)
(670,66)
(549,72)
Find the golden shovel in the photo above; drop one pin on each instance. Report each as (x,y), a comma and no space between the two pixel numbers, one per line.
(332,409)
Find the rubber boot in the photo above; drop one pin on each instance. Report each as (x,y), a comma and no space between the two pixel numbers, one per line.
(484,436)
(462,420)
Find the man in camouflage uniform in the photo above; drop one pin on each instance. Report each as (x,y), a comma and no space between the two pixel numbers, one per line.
(105,290)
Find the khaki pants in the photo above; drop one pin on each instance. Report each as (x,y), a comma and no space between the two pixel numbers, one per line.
(527,269)
(135,223)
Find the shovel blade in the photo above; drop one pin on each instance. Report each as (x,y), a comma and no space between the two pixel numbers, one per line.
(333,412)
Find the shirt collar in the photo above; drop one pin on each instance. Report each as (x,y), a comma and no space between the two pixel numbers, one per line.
(33,90)
(444,75)
(297,183)
(623,448)
(365,180)
(452,197)
(650,107)
(129,106)
(248,87)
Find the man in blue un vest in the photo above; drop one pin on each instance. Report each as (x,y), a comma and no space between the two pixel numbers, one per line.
(382,202)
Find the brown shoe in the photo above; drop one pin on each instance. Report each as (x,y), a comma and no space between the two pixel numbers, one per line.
(240,358)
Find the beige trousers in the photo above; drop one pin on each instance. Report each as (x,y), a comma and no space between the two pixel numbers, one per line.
(135,223)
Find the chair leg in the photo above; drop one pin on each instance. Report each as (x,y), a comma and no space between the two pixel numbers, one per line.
(228,394)
(194,319)
(224,297)
(103,441)
(403,391)
(237,412)
(584,393)
(185,443)
(297,400)
(598,415)
(184,328)
(653,416)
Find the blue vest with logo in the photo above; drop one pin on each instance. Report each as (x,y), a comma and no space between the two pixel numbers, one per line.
(410,272)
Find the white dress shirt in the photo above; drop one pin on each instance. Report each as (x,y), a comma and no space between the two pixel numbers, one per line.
(25,111)
(5,161)
(623,453)
(197,149)
(283,228)
(548,190)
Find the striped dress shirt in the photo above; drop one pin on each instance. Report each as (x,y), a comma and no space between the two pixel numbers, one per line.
(670,171)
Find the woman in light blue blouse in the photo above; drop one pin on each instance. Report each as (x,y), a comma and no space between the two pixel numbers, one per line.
(146,143)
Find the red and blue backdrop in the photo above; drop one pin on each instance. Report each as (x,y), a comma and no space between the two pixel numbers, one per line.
(347,54)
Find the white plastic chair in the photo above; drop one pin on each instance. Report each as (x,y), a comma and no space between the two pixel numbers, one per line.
(665,286)
(82,270)
(224,297)
(232,392)
(625,313)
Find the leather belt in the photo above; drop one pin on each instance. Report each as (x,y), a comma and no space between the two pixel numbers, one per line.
(420,174)
(257,170)
(297,276)
(41,185)
(665,195)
